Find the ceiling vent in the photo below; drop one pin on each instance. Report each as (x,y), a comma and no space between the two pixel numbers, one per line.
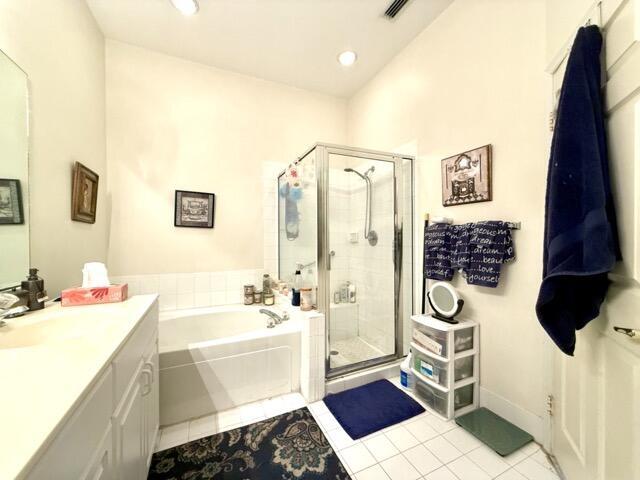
(395,8)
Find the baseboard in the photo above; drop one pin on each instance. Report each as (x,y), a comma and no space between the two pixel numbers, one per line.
(353,380)
(520,417)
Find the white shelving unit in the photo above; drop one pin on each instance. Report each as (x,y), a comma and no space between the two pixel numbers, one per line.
(445,362)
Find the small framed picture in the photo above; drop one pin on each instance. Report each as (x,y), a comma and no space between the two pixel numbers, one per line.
(11,210)
(194,209)
(84,195)
(466,177)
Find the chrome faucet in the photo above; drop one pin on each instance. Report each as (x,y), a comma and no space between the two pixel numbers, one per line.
(8,308)
(274,318)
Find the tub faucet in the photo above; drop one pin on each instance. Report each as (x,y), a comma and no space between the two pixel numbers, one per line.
(274,317)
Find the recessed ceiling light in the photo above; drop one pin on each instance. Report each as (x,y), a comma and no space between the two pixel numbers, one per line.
(347,58)
(186,7)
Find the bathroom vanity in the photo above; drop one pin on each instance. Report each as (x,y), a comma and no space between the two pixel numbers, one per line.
(80,392)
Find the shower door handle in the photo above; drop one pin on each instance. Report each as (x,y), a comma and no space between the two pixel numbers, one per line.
(332,253)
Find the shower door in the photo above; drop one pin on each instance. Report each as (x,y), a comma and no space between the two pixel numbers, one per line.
(359,231)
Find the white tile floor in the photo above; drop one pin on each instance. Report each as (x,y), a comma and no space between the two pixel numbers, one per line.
(423,447)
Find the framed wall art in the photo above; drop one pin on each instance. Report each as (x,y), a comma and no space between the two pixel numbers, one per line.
(194,209)
(84,195)
(466,177)
(11,209)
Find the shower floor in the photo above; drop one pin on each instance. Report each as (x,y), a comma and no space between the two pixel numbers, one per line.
(352,350)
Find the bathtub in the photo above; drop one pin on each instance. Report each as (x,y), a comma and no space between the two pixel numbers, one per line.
(216,358)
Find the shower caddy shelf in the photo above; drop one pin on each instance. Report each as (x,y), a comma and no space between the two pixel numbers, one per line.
(436,376)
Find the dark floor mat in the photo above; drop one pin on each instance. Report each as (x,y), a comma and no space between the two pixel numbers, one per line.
(289,446)
(371,407)
(494,431)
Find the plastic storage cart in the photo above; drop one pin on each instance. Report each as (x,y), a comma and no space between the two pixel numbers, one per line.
(445,364)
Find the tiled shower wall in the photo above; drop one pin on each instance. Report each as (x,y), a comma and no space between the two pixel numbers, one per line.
(270,172)
(302,249)
(344,318)
(371,267)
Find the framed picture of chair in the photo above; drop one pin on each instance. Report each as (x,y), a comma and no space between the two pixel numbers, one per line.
(466,177)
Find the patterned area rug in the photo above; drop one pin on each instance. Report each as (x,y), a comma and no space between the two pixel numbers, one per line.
(286,447)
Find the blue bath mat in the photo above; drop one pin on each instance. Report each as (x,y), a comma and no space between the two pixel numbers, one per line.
(371,407)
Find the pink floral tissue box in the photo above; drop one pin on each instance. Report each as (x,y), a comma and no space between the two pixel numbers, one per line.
(89,296)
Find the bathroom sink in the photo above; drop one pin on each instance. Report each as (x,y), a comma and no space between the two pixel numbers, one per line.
(47,329)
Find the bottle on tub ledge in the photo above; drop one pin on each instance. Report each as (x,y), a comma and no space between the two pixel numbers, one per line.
(351,290)
(295,288)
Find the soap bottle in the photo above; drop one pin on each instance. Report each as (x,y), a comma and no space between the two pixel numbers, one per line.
(34,285)
(266,284)
(352,293)
(295,289)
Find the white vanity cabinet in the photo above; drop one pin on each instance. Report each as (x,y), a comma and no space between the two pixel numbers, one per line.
(112,433)
(137,419)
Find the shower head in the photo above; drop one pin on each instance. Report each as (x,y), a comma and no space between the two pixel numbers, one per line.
(356,172)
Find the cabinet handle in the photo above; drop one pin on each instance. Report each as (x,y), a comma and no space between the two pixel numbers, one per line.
(147,390)
(151,370)
(629,332)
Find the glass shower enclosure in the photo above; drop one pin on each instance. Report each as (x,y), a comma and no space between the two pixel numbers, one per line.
(345,219)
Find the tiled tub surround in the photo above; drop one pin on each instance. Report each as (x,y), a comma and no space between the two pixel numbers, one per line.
(180,291)
(217,358)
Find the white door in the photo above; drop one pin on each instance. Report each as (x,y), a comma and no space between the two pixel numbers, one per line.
(596,411)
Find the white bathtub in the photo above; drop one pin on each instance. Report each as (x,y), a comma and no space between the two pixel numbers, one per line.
(213,359)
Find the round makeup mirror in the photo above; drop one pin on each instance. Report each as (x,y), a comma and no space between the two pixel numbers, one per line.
(445,302)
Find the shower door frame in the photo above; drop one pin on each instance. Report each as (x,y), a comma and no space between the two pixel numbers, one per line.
(322,152)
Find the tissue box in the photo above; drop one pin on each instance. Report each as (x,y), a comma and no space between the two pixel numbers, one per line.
(89,296)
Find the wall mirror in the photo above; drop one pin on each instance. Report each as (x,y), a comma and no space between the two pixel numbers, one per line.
(14,173)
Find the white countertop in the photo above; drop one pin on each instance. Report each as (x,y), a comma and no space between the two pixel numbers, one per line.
(42,384)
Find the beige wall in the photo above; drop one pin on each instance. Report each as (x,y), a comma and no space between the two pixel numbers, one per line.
(174,124)
(59,45)
(562,19)
(476,76)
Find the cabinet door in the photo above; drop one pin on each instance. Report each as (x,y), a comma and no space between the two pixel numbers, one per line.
(76,448)
(130,440)
(151,394)
(101,466)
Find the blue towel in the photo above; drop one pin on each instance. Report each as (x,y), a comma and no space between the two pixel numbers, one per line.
(477,249)
(291,214)
(580,240)
(437,252)
(490,246)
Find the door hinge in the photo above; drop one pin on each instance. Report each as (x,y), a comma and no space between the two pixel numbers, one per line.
(550,405)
